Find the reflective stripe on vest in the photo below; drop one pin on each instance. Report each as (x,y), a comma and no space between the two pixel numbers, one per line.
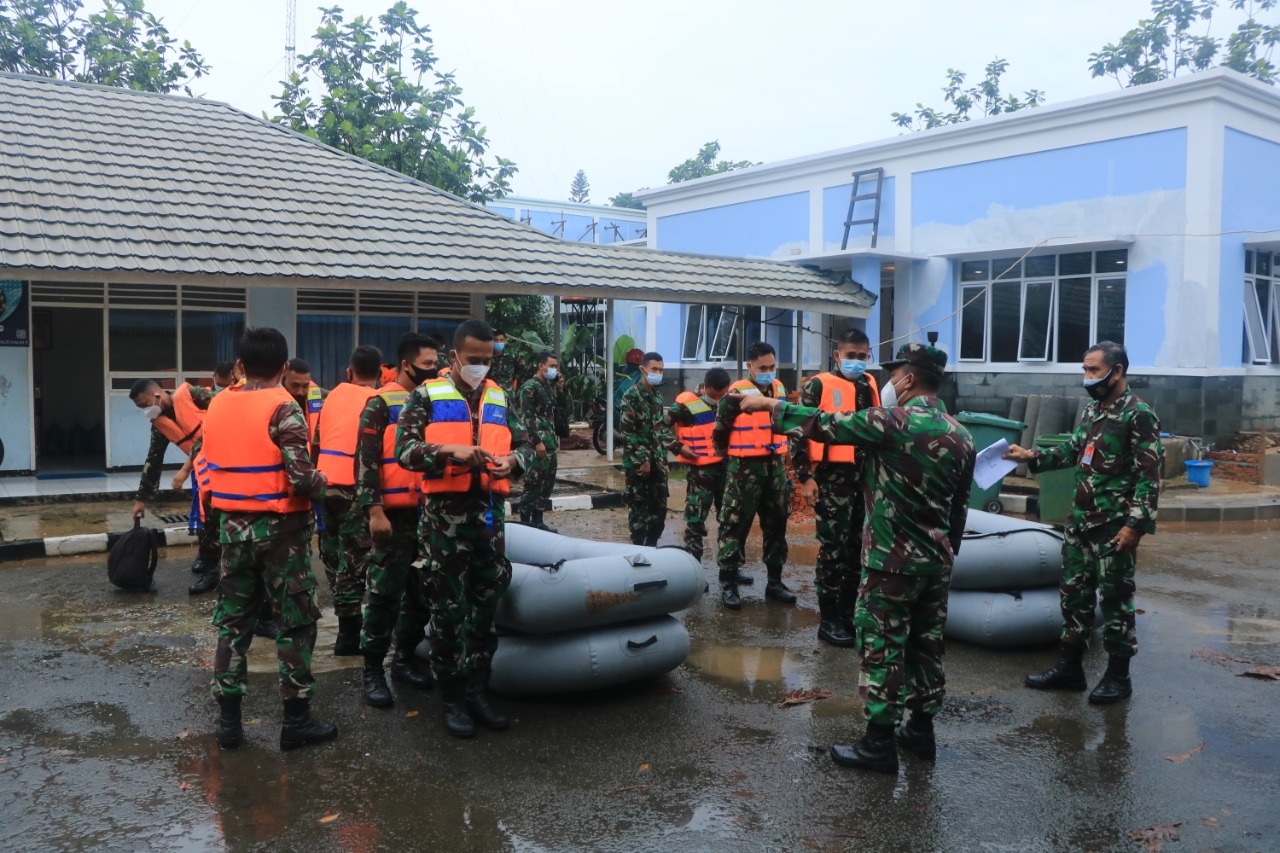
(451,424)
(838,395)
(753,433)
(400,488)
(697,438)
(243,467)
(182,426)
(339,425)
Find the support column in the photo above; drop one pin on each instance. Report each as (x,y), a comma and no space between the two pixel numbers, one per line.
(608,378)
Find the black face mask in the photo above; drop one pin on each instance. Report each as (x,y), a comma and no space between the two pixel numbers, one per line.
(420,375)
(1100,388)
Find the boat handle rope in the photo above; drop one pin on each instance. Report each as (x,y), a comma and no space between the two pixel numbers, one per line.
(1054,532)
(654,584)
(632,644)
(551,568)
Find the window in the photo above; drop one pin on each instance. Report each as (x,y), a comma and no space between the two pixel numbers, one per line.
(1041,309)
(726,326)
(694,330)
(170,333)
(1261,308)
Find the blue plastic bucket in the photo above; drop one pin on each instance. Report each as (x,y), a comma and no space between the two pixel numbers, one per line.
(1198,472)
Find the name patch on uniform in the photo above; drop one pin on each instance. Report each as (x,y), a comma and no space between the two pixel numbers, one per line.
(1087,458)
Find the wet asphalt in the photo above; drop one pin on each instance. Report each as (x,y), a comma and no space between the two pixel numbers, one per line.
(106,733)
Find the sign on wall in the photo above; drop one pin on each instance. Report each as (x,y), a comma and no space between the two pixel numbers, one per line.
(14,316)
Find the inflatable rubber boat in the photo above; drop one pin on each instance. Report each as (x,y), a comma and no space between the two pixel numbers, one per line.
(1004,620)
(1007,553)
(536,547)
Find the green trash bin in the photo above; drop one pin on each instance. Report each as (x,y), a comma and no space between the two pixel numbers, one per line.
(986,431)
(1057,488)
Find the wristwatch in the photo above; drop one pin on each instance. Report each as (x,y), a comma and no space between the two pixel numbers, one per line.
(1135,523)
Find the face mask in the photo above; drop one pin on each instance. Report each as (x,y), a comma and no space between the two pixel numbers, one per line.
(419,374)
(766,378)
(499,346)
(473,374)
(552,374)
(889,395)
(151,412)
(1099,388)
(852,368)
(654,379)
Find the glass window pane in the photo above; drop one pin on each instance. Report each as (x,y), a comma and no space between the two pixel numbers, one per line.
(1076,263)
(1248,262)
(973,271)
(691,349)
(1075,298)
(725,334)
(385,334)
(1254,325)
(1042,266)
(1111,293)
(1263,264)
(1006,268)
(144,341)
(1275,322)
(209,337)
(1115,261)
(1037,310)
(440,329)
(1006,310)
(973,323)
(325,342)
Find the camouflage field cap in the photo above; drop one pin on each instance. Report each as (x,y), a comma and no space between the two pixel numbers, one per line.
(924,356)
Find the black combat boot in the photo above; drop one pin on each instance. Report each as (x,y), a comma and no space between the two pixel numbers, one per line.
(874,752)
(1115,684)
(478,704)
(651,541)
(916,736)
(405,670)
(376,691)
(299,729)
(777,590)
(847,607)
(540,524)
(208,580)
(230,732)
(729,590)
(457,719)
(743,579)
(1066,674)
(637,539)
(524,517)
(347,643)
(198,564)
(831,629)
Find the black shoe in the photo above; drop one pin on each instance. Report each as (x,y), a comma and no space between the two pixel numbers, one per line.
(267,628)
(524,518)
(916,736)
(744,579)
(651,541)
(299,729)
(457,719)
(478,704)
(729,595)
(197,565)
(778,591)
(1115,685)
(347,643)
(207,582)
(874,752)
(376,691)
(404,669)
(833,633)
(540,524)
(230,731)
(1066,674)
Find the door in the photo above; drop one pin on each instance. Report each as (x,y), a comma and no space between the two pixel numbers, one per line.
(70,397)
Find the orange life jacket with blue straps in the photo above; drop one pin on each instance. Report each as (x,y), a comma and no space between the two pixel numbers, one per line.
(182,426)
(838,395)
(697,438)
(452,423)
(753,433)
(244,468)
(401,488)
(339,428)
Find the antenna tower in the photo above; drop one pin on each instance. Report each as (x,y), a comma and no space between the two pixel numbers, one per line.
(291,34)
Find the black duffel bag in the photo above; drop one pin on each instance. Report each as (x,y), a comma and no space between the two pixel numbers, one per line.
(133,558)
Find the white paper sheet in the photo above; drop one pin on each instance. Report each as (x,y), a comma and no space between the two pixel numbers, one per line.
(990,465)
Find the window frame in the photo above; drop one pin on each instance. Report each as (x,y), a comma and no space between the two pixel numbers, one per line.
(1050,339)
(1261,326)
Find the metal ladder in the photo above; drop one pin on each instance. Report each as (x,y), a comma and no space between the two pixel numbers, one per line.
(856,197)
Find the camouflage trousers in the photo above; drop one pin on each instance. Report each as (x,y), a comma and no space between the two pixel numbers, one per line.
(539,480)
(342,514)
(207,532)
(467,575)
(397,589)
(704,489)
(327,542)
(277,571)
(646,500)
(899,623)
(754,487)
(1093,573)
(839,518)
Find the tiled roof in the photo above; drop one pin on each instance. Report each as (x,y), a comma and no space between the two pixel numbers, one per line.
(111,184)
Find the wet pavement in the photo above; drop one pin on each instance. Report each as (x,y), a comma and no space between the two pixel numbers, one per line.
(106,733)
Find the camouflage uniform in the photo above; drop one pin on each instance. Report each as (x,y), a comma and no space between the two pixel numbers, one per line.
(268,555)
(704,484)
(503,370)
(537,403)
(1118,458)
(149,482)
(347,529)
(462,532)
(920,469)
(645,437)
(397,582)
(839,514)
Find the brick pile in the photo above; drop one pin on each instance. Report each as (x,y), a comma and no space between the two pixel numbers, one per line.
(1240,467)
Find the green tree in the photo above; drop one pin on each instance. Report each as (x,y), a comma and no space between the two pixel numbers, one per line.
(985,98)
(1176,38)
(517,315)
(380,98)
(123,45)
(704,163)
(627,200)
(580,190)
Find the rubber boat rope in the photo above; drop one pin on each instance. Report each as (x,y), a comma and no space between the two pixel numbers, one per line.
(1000,534)
(551,568)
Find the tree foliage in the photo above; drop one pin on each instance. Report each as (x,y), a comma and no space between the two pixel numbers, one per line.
(123,45)
(580,190)
(1177,38)
(518,315)
(704,163)
(380,97)
(627,200)
(985,98)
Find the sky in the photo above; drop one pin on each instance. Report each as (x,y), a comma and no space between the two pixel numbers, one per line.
(626,90)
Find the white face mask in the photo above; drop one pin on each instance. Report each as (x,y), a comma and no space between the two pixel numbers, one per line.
(473,374)
(151,412)
(889,395)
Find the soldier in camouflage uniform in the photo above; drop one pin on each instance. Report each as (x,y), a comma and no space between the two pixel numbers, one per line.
(704,483)
(917,492)
(645,438)
(1118,457)
(262,479)
(503,369)
(537,403)
(390,496)
(468,442)
(831,482)
(310,397)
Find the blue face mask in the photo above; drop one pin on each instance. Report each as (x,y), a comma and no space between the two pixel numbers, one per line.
(852,368)
(654,379)
(552,374)
(766,378)
(499,346)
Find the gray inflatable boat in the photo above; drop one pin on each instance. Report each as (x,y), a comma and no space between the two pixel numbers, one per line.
(1004,620)
(1006,553)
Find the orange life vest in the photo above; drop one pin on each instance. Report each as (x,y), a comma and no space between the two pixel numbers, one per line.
(339,426)
(400,488)
(698,437)
(182,425)
(838,395)
(243,466)
(315,403)
(753,433)
(451,423)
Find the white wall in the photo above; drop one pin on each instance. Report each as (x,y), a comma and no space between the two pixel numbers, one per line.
(15,409)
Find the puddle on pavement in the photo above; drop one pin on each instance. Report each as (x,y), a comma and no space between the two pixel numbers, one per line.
(1240,625)
(72,519)
(751,672)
